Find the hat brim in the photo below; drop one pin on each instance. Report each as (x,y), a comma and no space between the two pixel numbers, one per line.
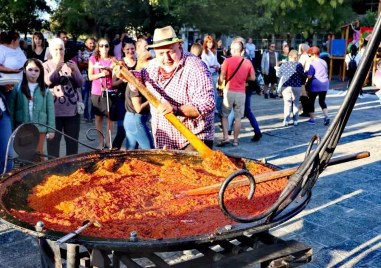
(165,43)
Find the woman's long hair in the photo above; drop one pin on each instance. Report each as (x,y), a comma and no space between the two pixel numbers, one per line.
(40,80)
(205,44)
(40,36)
(97,53)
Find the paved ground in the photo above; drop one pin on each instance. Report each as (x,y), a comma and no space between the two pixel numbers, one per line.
(341,223)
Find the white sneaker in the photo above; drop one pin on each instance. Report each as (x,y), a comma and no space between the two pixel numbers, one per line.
(295,123)
(361,96)
(285,123)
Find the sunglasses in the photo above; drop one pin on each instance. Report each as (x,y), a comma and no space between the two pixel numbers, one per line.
(272,46)
(105,45)
(33,70)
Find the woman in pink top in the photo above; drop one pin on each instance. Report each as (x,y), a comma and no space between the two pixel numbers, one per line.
(101,76)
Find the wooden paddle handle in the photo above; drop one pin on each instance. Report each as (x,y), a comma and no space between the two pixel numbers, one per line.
(192,138)
(268,176)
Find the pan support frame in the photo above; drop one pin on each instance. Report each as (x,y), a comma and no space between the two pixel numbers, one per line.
(262,249)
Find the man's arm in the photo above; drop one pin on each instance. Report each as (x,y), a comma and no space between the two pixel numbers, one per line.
(222,76)
(251,76)
(183,110)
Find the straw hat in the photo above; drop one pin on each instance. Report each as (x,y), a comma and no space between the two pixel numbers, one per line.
(164,36)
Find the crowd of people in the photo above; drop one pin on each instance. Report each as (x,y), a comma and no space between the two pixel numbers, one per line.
(57,85)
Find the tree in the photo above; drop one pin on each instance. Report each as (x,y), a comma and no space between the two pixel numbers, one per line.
(262,17)
(22,15)
(104,17)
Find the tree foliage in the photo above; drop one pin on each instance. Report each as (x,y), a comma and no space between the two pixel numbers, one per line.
(22,15)
(263,17)
(260,17)
(105,17)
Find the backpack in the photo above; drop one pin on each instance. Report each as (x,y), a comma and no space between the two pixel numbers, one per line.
(352,66)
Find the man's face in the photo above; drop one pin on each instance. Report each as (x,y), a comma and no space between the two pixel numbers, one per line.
(272,47)
(90,44)
(63,37)
(169,56)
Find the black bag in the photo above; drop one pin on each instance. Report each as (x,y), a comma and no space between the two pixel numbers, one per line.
(252,86)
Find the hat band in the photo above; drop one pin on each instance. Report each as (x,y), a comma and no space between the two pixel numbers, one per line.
(171,39)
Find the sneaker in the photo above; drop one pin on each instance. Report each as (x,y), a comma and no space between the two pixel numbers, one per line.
(295,122)
(285,123)
(266,95)
(256,137)
(326,121)
(361,96)
(311,122)
(272,96)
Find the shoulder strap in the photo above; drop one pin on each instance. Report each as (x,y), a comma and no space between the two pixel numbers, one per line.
(236,70)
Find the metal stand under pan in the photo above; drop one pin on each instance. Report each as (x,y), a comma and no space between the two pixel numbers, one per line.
(257,250)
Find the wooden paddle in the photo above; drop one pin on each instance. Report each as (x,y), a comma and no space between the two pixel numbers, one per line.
(268,176)
(200,147)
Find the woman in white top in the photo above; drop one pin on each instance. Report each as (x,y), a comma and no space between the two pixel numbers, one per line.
(12,58)
(209,56)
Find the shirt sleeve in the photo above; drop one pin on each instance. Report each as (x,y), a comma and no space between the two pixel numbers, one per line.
(201,90)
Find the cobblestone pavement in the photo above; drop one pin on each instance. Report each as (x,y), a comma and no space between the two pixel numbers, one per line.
(341,222)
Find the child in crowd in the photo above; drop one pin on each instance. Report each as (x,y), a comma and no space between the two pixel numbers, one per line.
(30,101)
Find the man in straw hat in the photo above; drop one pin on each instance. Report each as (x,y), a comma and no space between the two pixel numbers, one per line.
(184,85)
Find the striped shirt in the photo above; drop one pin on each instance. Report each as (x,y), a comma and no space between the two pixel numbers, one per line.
(190,84)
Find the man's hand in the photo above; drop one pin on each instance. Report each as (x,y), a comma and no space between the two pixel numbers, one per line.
(116,71)
(59,66)
(72,65)
(165,108)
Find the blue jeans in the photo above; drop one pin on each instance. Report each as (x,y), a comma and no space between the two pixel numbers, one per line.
(217,99)
(5,133)
(88,113)
(248,113)
(137,131)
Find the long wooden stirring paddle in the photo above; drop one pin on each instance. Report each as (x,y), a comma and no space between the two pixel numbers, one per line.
(215,162)
(268,176)
(192,138)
